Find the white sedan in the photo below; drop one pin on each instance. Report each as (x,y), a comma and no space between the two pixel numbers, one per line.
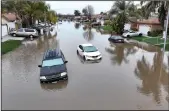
(88,52)
(132,34)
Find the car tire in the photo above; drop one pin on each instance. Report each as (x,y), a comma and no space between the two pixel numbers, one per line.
(14,35)
(140,34)
(77,52)
(128,36)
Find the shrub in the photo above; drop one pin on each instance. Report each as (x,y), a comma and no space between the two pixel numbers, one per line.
(154,33)
(134,29)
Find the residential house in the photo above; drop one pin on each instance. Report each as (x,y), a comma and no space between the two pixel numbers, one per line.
(8,22)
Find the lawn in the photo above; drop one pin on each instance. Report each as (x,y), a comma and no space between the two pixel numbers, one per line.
(106,28)
(141,39)
(155,40)
(9,46)
(166,47)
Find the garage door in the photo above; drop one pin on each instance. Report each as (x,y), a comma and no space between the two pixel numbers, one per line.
(127,26)
(144,29)
(4,30)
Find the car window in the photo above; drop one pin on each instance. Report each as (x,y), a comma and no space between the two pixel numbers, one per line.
(20,30)
(29,30)
(80,47)
(52,62)
(90,49)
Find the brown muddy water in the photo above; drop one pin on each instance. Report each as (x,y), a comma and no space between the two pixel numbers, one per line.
(128,77)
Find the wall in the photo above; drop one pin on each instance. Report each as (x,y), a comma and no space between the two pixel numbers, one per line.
(4,30)
(3,21)
(11,25)
(156,27)
(127,26)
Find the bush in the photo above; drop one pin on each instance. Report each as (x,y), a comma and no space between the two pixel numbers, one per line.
(107,22)
(154,33)
(134,29)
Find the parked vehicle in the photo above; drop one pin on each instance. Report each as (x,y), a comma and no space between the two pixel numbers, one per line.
(88,52)
(53,66)
(25,32)
(95,24)
(131,33)
(116,39)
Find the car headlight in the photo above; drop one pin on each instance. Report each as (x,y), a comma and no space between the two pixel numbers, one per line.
(42,77)
(63,74)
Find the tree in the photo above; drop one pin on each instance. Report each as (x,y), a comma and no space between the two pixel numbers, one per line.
(89,10)
(84,11)
(77,13)
(122,10)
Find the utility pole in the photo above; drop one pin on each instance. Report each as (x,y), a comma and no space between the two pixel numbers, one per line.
(166,28)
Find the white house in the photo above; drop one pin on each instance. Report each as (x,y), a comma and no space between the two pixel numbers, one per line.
(9,21)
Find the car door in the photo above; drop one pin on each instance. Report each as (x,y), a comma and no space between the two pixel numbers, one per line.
(20,32)
(80,50)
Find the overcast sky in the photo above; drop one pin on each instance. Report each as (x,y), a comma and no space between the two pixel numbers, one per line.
(68,7)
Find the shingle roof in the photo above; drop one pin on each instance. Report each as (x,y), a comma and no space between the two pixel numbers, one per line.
(10,16)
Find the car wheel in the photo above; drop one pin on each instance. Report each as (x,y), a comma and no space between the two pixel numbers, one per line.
(140,34)
(31,37)
(77,52)
(14,35)
(128,35)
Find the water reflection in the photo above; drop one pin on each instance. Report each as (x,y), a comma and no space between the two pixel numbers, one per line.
(77,26)
(88,34)
(54,86)
(120,52)
(153,76)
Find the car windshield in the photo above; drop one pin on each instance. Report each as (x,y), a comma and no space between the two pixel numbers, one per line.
(118,37)
(90,49)
(52,62)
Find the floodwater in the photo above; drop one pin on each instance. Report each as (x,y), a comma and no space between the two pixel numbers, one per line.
(130,76)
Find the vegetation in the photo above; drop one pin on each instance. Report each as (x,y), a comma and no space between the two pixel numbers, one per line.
(122,10)
(30,11)
(77,13)
(88,11)
(9,45)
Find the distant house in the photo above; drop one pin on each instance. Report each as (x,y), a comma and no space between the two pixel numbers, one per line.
(8,22)
(145,25)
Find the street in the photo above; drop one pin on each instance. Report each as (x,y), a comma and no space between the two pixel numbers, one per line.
(128,77)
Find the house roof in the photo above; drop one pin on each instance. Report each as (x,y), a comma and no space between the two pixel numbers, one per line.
(152,21)
(10,17)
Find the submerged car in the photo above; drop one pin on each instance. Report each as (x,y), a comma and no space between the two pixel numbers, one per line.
(131,33)
(53,66)
(25,32)
(88,52)
(116,39)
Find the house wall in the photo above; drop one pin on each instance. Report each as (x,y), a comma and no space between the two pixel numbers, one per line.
(3,21)
(4,30)
(11,25)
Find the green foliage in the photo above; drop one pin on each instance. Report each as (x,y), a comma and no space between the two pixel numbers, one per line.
(117,24)
(9,46)
(29,11)
(155,33)
(77,13)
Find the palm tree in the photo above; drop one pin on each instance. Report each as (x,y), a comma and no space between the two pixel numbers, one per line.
(122,10)
(162,7)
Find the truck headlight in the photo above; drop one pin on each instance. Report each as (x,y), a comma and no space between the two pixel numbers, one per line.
(63,74)
(42,77)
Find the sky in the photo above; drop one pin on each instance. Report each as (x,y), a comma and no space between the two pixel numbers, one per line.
(68,7)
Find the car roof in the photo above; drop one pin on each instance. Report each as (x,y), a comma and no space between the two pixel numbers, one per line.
(52,54)
(87,44)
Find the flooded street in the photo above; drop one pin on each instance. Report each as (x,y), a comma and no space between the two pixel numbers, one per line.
(128,77)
